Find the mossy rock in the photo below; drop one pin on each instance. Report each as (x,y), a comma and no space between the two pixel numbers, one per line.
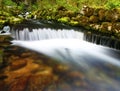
(15,20)
(62,13)
(84,20)
(70,13)
(101,14)
(105,27)
(93,19)
(87,11)
(64,19)
(73,23)
(111,16)
(2,21)
(116,27)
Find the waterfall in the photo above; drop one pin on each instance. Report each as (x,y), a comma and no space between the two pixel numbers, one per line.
(46,33)
(102,40)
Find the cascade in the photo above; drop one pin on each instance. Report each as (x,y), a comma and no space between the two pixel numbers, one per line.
(42,34)
(102,40)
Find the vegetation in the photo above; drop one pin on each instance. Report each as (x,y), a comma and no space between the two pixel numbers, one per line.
(102,15)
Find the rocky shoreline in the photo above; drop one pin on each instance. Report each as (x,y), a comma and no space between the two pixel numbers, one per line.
(98,20)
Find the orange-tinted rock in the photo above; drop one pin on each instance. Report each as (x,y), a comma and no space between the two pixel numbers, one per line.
(39,82)
(19,84)
(76,74)
(18,64)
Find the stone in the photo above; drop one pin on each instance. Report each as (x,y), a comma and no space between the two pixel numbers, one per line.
(87,11)
(18,64)
(93,19)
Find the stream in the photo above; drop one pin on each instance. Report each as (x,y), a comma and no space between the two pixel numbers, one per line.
(57,57)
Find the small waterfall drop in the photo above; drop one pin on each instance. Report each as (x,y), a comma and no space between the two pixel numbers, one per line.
(42,34)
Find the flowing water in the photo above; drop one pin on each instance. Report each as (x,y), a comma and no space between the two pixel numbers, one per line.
(71,63)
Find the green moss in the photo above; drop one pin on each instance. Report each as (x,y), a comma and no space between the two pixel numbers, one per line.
(74,23)
(14,20)
(64,19)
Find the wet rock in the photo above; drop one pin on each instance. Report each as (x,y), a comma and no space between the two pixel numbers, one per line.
(70,13)
(101,14)
(95,26)
(111,15)
(106,27)
(116,27)
(18,64)
(93,19)
(84,20)
(87,11)
(39,82)
(18,84)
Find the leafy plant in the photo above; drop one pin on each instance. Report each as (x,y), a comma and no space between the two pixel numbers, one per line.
(9,3)
(113,4)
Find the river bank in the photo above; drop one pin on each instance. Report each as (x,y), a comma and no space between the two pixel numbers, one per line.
(98,20)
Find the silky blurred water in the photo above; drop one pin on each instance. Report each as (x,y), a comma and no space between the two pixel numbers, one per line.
(98,64)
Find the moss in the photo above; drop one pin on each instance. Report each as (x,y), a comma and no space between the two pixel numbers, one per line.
(74,23)
(64,19)
(14,20)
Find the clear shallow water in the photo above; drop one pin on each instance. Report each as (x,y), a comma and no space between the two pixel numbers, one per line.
(97,63)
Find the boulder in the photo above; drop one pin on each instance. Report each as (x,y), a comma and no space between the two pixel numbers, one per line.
(93,19)
(87,11)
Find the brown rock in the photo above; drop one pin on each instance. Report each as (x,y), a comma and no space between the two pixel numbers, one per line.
(101,14)
(116,27)
(18,64)
(93,19)
(106,27)
(18,84)
(39,82)
(84,20)
(111,15)
(87,11)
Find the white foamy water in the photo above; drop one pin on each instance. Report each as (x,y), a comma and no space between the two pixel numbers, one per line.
(42,34)
(72,49)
